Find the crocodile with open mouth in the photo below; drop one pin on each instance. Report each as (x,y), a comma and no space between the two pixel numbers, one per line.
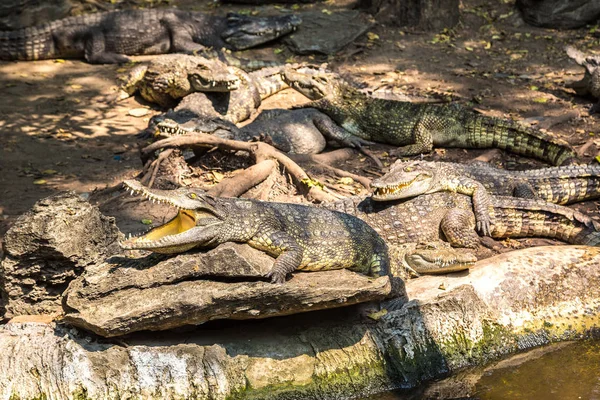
(301,237)
(560,185)
(418,127)
(108,37)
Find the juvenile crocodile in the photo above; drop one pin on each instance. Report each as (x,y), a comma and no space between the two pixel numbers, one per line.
(106,38)
(303,131)
(589,85)
(169,77)
(445,215)
(560,185)
(301,237)
(416,128)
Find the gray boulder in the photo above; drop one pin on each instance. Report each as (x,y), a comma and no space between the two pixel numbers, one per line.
(49,246)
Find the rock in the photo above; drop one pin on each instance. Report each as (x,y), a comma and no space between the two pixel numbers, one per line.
(16,14)
(125,295)
(559,14)
(506,304)
(49,246)
(315,35)
(424,15)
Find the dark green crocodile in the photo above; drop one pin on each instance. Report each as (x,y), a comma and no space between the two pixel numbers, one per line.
(589,85)
(560,185)
(303,131)
(169,77)
(110,36)
(449,216)
(301,237)
(416,128)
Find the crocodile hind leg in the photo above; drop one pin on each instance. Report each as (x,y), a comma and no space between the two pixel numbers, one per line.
(95,51)
(290,253)
(181,40)
(458,225)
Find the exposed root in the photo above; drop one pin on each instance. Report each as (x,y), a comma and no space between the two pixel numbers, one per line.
(259,151)
(244,181)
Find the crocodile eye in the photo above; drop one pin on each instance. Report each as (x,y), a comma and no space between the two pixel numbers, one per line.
(192,196)
(408,169)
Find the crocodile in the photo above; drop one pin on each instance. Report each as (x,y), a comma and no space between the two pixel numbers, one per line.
(303,131)
(108,37)
(169,77)
(589,85)
(235,106)
(560,185)
(302,237)
(417,127)
(445,215)
(299,236)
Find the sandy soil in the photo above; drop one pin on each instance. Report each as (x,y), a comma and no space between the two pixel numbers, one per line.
(59,132)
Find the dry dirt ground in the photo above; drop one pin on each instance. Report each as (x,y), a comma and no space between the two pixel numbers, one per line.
(58,132)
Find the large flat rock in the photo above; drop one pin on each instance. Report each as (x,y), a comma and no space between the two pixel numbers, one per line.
(47,247)
(506,304)
(125,295)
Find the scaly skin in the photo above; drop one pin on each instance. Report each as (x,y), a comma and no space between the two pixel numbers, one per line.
(234,106)
(561,185)
(444,215)
(303,131)
(301,237)
(169,77)
(417,128)
(590,83)
(108,37)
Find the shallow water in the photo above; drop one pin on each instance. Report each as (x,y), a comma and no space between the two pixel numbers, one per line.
(569,371)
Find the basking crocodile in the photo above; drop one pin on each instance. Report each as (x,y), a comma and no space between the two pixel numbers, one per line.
(235,106)
(303,131)
(445,215)
(305,238)
(416,128)
(561,185)
(169,77)
(301,237)
(590,83)
(106,38)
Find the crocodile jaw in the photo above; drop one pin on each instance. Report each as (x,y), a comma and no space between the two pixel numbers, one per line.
(436,262)
(244,32)
(419,184)
(167,238)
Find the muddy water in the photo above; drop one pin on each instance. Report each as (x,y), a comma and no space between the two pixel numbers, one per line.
(569,371)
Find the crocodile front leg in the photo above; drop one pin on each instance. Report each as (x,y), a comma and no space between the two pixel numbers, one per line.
(332,131)
(182,41)
(290,253)
(458,226)
(482,200)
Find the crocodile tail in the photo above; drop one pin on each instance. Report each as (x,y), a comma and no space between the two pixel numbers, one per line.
(516,217)
(514,137)
(28,44)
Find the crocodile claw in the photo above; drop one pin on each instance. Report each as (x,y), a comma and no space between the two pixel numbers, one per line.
(276,277)
(484,227)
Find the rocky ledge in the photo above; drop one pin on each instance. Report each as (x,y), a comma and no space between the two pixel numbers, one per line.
(504,305)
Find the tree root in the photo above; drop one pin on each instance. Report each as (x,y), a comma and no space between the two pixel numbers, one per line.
(244,181)
(259,151)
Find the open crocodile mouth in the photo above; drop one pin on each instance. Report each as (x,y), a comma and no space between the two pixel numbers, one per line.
(443,265)
(210,85)
(387,191)
(161,236)
(171,128)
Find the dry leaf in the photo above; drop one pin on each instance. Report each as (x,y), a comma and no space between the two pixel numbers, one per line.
(39,182)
